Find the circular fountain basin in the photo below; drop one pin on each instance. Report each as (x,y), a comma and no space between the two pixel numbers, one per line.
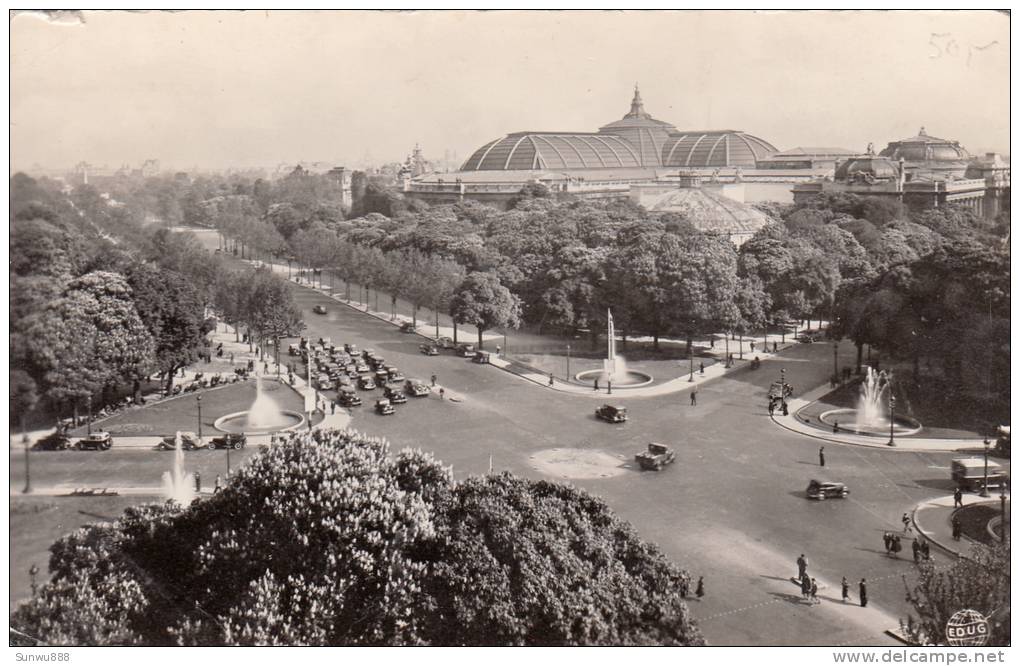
(238,422)
(629,379)
(847,419)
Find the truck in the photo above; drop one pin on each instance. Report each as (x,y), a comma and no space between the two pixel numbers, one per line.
(655,457)
(969,473)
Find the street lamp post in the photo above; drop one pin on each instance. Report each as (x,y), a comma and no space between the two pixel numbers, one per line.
(28,471)
(892,418)
(984,486)
(835,360)
(782,386)
(568,363)
(690,356)
(88,424)
(198,399)
(1002,508)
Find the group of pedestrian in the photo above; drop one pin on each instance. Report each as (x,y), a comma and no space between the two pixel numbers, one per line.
(809,586)
(892,544)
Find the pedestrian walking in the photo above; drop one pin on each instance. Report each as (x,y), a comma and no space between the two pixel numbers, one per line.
(835,427)
(596,384)
(694,397)
(821,456)
(786,409)
(701,367)
(958,498)
(887,538)
(925,550)
(916,547)
(332,406)
(805,587)
(442,393)
(216,488)
(846,590)
(609,386)
(497,350)
(814,592)
(433,381)
(265,368)
(772,407)
(752,346)
(906,522)
(231,358)
(802,564)
(685,585)
(862,591)
(550,379)
(957,528)
(198,482)
(896,545)
(775,347)
(700,590)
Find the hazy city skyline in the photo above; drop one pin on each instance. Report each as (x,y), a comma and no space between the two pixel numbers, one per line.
(246,89)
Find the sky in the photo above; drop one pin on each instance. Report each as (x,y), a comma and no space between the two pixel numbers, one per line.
(259,88)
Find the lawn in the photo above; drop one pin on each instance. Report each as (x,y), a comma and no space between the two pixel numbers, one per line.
(974,520)
(662,370)
(181,413)
(36,522)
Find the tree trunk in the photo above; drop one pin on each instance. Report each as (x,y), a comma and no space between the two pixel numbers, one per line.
(170,380)
(860,356)
(136,390)
(393,308)
(437,324)
(741,343)
(454,331)
(76,412)
(727,352)
(480,331)
(414,315)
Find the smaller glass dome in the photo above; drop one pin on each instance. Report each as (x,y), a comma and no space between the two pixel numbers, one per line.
(870,168)
(925,148)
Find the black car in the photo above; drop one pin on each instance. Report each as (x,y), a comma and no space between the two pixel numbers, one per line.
(408,327)
(612,413)
(384,407)
(366,382)
(416,387)
(99,440)
(820,490)
(55,441)
(319,309)
(395,395)
(428,350)
(229,441)
(347,397)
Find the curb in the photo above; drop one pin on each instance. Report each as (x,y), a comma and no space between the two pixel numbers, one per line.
(928,534)
(882,447)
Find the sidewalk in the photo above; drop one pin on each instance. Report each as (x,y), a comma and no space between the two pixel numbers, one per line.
(903,442)
(937,515)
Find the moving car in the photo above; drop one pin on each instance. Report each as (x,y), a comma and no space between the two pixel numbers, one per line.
(808,336)
(655,457)
(820,490)
(408,327)
(352,350)
(381,377)
(347,397)
(319,309)
(229,441)
(444,342)
(384,407)
(189,442)
(100,440)
(428,350)
(416,388)
(481,357)
(366,382)
(325,383)
(394,395)
(55,441)
(394,374)
(612,413)
(466,350)
(969,473)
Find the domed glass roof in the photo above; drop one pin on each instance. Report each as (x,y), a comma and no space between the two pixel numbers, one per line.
(925,148)
(551,150)
(871,168)
(710,211)
(719,148)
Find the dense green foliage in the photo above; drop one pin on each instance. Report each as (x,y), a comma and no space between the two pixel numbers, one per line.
(328,540)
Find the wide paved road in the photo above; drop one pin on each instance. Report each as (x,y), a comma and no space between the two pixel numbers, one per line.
(731,509)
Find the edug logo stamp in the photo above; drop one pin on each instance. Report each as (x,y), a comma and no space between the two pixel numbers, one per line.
(967,628)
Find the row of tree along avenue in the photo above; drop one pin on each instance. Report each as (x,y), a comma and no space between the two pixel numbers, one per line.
(101,301)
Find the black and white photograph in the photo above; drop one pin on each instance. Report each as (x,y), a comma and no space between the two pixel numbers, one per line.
(509,328)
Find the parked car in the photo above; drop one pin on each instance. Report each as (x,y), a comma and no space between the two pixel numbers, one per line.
(445,342)
(612,413)
(325,383)
(408,327)
(366,382)
(229,441)
(189,442)
(655,457)
(481,357)
(466,351)
(820,490)
(55,441)
(319,309)
(293,350)
(381,376)
(394,395)
(394,374)
(377,363)
(352,350)
(384,407)
(416,388)
(347,397)
(369,355)
(428,350)
(344,380)
(99,440)
(361,367)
